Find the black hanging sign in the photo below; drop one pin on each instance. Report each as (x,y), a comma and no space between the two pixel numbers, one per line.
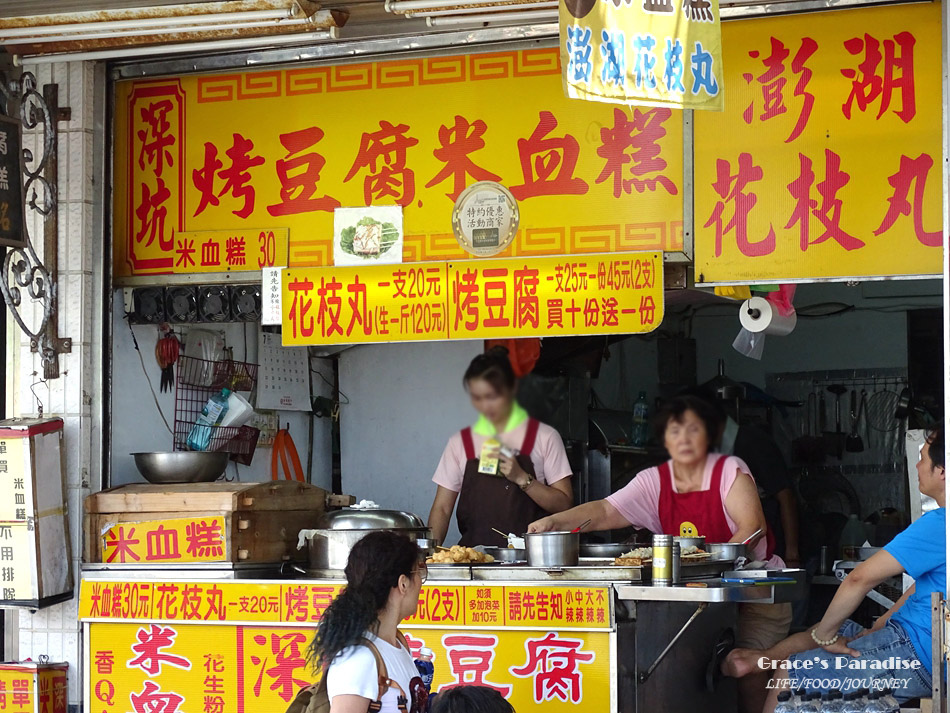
(11,184)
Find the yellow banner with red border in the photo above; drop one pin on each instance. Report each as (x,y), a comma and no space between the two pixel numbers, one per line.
(620,293)
(241,669)
(443,604)
(827,160)
(281,149)
(190,539)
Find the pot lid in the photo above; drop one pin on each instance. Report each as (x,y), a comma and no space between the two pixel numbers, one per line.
(371,519)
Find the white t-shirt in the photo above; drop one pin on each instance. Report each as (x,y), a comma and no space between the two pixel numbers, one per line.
(354,673)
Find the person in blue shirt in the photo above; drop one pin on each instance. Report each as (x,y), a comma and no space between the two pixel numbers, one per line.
(896,651)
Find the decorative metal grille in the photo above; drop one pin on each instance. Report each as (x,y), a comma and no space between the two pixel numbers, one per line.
(27,281)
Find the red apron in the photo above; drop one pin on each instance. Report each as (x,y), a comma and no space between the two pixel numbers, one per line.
(700,512)
(487,501)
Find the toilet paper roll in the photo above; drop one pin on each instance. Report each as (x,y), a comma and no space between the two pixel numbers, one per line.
(760,316)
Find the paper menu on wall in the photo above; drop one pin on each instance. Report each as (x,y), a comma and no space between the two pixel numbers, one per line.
(283,381)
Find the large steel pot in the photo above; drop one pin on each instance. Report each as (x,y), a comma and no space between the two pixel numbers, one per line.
(329,546)
(727,550)
(552,549)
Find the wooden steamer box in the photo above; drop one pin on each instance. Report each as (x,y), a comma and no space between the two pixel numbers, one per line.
(235,523)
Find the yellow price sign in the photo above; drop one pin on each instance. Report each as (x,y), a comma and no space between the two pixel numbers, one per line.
(619,293)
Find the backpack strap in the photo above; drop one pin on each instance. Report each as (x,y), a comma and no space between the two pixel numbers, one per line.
(385,682)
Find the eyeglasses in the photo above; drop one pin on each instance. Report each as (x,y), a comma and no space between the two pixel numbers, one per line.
(423,572)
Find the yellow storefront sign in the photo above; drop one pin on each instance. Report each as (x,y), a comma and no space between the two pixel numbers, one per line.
(826,162)
(281,149)
(619,293)
(648,52)
(441,604)
(179,668)
(190,539)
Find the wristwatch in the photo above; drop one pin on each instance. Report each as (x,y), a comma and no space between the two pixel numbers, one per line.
(527,483)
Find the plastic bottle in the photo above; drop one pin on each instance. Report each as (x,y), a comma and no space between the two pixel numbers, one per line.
(852,535)
(641,420)
(874,703)
(853,703)
(785,703)
(890,701)
(810,703)
(798,696)
(211,415)
(832,702)
(425,667)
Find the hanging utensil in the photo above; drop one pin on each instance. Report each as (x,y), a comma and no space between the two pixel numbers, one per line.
(835,440)
(881,409)
(822,414)
(854,444)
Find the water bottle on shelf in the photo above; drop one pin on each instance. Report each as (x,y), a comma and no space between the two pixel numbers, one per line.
(853,703)
(832,702)
(798,697)
(785,703)
(211,415)
(641,421)
(810,703)
(874,703)
(890,701)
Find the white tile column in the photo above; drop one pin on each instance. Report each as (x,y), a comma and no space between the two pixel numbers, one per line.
(55,631)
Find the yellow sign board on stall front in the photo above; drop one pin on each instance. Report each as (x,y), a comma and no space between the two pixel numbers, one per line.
(827,160)
(304,603)
(281,149)
(238,669)
(647,52)
(620,293)
(191,539)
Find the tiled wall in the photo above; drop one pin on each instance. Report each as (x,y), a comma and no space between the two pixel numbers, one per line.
(55,631)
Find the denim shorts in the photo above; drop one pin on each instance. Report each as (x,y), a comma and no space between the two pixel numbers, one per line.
(819,671)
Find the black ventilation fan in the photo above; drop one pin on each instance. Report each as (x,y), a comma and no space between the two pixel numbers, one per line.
(148,305)
(214,304)
(181,304)
(246,303)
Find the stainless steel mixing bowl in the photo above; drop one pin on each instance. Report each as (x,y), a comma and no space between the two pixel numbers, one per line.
(170,468)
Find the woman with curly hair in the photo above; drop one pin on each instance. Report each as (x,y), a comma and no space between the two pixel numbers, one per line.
(364,657)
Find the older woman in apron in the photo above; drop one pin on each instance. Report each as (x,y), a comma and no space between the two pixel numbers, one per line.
(696,492)
(532,476)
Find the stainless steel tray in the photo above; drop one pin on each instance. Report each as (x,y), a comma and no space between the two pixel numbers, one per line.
(593,570)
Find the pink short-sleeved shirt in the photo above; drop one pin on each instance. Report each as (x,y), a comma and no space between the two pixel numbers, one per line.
(548,455)
(639,500)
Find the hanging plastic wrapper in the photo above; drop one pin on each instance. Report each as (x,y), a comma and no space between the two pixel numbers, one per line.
(761,316)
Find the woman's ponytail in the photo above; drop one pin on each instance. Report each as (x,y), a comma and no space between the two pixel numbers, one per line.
(372,571)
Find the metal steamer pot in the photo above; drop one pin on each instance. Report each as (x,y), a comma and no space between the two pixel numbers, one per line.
(330,546)
(552,549)
(727,550)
